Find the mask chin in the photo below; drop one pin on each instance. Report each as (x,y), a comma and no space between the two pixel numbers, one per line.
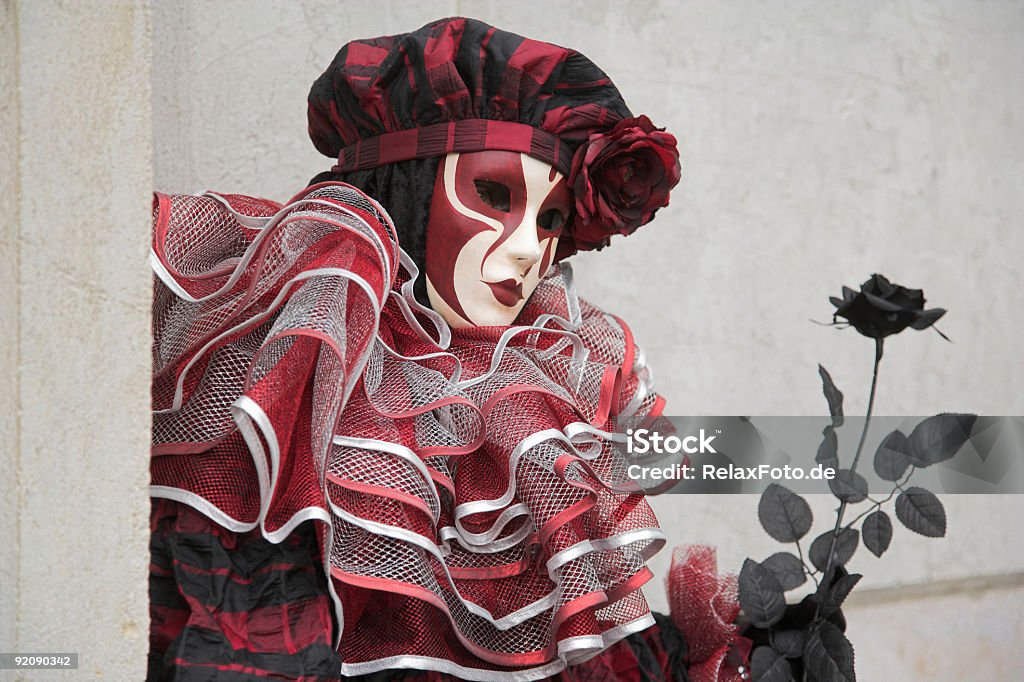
(490,237)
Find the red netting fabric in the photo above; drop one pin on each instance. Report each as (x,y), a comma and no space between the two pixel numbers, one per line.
(704,607)
(476,517)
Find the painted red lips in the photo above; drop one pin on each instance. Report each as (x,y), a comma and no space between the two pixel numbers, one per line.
(509,292)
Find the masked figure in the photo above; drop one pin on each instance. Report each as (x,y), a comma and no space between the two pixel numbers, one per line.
(383,420)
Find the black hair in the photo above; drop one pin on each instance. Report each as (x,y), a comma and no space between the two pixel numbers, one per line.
(404,189)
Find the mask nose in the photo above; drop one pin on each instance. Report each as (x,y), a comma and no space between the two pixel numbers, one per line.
(523,247)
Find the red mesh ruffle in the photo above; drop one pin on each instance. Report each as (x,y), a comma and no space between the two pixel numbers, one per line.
(476,516)
(704,607)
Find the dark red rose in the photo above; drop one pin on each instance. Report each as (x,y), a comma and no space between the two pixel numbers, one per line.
(621,178)
(882,308)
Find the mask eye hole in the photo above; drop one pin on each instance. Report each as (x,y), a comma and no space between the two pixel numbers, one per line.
(551,220)
(494,194)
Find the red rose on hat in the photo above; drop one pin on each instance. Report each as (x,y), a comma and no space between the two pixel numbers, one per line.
(621,178)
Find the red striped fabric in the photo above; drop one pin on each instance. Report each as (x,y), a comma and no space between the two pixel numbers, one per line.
(200,631)
(469,135)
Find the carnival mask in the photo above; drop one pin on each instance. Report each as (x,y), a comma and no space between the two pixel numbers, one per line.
(495,219)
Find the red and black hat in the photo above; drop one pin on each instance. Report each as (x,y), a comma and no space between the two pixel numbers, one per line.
(460,85)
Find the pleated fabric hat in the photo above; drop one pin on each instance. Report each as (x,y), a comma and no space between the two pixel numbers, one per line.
(460,85)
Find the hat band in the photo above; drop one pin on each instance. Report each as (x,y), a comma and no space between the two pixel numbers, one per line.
(466,135)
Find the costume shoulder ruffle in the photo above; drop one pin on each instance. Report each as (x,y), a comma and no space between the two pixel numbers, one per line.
(476,514)
(251,314)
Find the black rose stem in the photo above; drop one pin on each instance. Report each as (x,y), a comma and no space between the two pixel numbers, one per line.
(806,640)
(856,457)
(880,309)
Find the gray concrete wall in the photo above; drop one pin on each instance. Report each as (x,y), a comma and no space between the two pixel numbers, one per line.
(9,454)
(821,142)
(76,159)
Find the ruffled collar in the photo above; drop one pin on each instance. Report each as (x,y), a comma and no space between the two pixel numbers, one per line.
(470,479)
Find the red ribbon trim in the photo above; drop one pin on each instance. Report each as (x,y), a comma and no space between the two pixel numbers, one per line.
(467,135)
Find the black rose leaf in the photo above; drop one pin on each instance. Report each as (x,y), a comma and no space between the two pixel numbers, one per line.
(787,569)
(768,666)
(877,532)
(828,655)
(882,308)
(802,615)
(828,451)
(760,595)
(846,545)
(938,438)
(784,515)
(849,486)
(891,460)
(789,643)
(921,512)
(833,395)
(838,593)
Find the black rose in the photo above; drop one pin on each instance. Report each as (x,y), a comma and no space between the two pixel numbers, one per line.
(882,308)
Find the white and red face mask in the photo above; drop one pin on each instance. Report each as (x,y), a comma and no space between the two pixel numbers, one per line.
(495,219)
